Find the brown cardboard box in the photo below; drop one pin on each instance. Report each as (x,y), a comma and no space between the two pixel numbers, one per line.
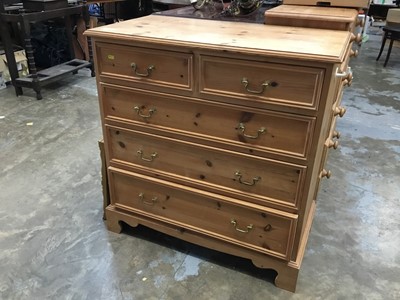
(22,65)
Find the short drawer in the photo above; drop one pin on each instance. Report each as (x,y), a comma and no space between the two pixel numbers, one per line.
(265,230)
(249,130)
(260,82)
(259,180)
(145,67)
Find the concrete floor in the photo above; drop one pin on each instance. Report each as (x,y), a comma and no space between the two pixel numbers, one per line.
(54,244)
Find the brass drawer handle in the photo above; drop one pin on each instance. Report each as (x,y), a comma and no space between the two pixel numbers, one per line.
(326,173)
(260,131)
(336,134)
(332,144)
(150,159)
(346,76)
(147,202)
(247,230)
(343,74)
(139,112)
(339,111)
(245,82)
(354,53)
(356,38)
(147,74)
(239,176)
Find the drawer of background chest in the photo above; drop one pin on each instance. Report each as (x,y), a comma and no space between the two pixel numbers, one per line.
(259,180)
(260,82)
(145,67)
(248,130)
(265,230)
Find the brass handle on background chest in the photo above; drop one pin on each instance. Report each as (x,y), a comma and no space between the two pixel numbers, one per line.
(148,70)
(326,173)
(346,76)
(356,38)
(332,144)
(147,202)
(245,82)
(239,176)
(336,134)
(339,111)
(139,112)
(150,159)
(354,53)
(260,131)
(247,230)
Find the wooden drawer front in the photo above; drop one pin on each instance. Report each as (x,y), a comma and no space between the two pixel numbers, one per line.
(287,85)
(155,68)
(261,229)
(244,176)
(248,129)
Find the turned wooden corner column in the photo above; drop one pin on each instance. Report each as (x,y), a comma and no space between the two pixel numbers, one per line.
(9,52)
(26,35)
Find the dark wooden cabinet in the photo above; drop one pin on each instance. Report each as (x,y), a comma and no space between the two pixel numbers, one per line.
(20,20)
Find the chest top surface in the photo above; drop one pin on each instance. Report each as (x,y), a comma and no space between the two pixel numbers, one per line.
(315,12)
(247,38)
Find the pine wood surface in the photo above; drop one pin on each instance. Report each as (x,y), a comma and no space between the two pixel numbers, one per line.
(320,13)
(285,134)
(211,168)
(281,41)
(271,232)
(172,134)
(312,17)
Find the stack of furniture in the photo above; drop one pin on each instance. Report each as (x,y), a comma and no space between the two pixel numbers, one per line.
(20,19)
(217,132)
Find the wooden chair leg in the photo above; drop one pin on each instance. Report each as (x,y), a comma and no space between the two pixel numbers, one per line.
(388,53)
(382,46)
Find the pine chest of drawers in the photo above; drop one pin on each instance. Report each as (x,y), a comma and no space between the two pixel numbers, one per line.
(338,3)
(337,18)
(217,132)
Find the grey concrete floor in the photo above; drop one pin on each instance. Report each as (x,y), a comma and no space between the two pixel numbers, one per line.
(54,243)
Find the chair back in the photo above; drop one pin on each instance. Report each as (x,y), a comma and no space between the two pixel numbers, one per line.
(393,15)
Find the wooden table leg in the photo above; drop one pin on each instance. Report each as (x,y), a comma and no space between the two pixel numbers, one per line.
(26,30)
(9,51)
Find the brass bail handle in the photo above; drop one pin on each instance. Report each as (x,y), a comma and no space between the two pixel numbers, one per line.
(148,70)
(147,202)
(139,112)
(245,82)
(242,129)
(150,159)
(239,176)
(247,230)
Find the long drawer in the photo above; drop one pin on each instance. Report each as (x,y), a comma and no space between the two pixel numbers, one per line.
(252,179)
(251,130)
(260,82)
(145,67)
(254,227)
